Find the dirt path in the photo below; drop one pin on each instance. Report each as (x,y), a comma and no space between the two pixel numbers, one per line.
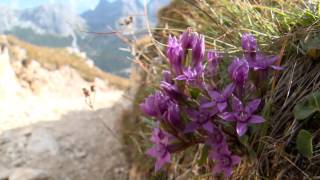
(48,131)
(80,146)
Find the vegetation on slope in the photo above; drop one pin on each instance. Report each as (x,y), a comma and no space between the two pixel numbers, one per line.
(53,58)
(287,28)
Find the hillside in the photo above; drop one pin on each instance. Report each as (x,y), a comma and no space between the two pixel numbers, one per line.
(53,58)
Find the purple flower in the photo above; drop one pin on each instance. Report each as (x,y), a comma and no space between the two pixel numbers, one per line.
(173,116)
(238,71)
(160,149)
(200,119)
(172,91)
(249,44)
(257,60)
(213,62)
(187,38)
(167,77)
(216,138)
(155,105)
(198,51)
(220,100)
(261,62)
(193,76)
(175,54)
(225,161)
(243,115)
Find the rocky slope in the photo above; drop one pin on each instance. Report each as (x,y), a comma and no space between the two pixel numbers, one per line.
(49,129)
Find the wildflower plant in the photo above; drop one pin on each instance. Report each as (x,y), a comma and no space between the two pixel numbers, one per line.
(193,107)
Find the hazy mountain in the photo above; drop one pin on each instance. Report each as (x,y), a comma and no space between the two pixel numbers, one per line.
(111,14)
(104,14)
(8,18)
(53,19)
(55,25)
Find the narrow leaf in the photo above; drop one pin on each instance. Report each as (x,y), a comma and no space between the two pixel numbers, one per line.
(308,106)
(304,143)
(204,156)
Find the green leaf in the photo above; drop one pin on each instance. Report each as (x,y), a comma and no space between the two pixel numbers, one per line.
(195,92)
(245,141)
(304,143)
(308,106)
(204,156)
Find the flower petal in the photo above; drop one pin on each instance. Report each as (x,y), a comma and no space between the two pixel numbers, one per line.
(217,169)
(191,127)
(152,152)
(241,128)
(207,105)
(228,90)
(213,111)
(271,59)
(227,116)
(253,105)
(222,106)
(256,119)
(181,78)
(236,104)
(208,126)
(235,159)
(215,95)
(162,161)
(277,68)
(227,172)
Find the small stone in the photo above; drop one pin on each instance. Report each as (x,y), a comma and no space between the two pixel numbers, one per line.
(80,154)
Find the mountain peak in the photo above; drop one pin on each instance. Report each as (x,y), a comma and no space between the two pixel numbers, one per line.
(53,19)
(110,13)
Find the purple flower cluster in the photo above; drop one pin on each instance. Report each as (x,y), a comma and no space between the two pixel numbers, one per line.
(193,107)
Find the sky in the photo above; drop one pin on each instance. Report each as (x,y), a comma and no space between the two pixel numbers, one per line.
(77,5)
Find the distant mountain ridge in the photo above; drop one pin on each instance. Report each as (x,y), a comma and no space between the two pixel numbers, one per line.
(110,13)
(60,20)
(46,19)
(56,25)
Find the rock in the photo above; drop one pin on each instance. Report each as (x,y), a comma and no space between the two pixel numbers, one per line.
(29,174)
(8,81)
(42,141)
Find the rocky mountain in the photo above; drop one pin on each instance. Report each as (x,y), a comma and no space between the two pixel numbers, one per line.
(55,25)
(111,13)
(51,19)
